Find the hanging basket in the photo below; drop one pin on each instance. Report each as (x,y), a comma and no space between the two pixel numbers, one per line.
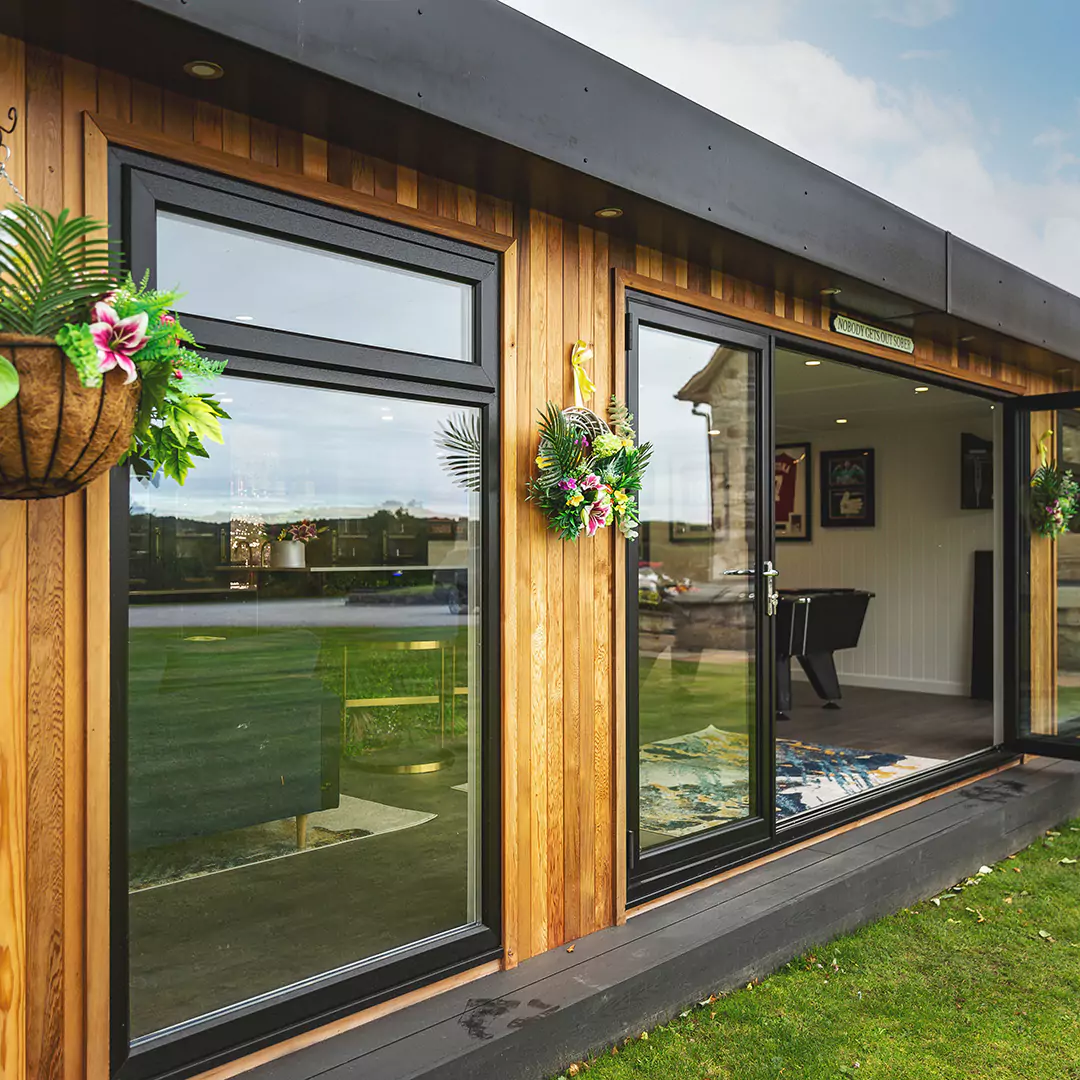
(586,420)
(57,435)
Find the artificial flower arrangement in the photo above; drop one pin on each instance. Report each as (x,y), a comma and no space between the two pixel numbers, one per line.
(303,532)
(1055,496)
(92,372)
(590,474)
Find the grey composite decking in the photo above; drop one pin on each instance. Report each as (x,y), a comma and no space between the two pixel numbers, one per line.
(528,1023)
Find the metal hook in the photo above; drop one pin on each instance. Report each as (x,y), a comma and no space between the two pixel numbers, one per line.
(13,116)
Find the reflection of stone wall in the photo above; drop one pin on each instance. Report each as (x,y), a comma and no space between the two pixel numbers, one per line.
(725,388)
(1068,623)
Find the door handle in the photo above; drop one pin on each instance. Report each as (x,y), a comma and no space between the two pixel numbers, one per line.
(769,573)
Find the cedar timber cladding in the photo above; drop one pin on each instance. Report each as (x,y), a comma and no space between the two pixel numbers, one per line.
(561,696)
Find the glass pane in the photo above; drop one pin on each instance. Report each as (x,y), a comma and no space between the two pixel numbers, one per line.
(884,490)
(303,716)
(238,275)
(696,624)
(1053,595)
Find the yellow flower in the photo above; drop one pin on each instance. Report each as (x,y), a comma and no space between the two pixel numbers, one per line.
(628,444)
(621,498)
(576,499)
(543,462)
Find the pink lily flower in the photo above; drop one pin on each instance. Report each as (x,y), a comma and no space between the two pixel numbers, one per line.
(117,339)
(595,516)
(589,482)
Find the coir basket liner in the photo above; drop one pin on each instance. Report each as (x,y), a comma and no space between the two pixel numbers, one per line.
(58,435)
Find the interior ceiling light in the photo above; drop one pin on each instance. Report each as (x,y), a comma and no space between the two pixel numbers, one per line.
(921,389)
(244,318)
(204,69)
(841,420)
(812,363)
(967,337)
(713,431)
(608,212)
(831,291)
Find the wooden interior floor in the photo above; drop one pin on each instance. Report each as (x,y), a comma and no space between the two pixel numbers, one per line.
(892,721)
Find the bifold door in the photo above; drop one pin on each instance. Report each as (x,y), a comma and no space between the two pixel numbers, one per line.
(1043,657)
(701,596)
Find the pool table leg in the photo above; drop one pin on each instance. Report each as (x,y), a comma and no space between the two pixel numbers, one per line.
(821,671)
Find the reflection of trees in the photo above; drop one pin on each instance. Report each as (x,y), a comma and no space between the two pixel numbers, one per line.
(169,552)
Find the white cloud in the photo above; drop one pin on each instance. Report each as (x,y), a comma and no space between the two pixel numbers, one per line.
(916,13)
(924,152)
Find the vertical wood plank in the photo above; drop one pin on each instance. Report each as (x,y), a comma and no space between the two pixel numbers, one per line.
(586,807)
(572,660)
(208,125)
(114,96)
(264,142)
(315,158)
(538,601)
(235,133)
(290,150)
(178,117)
(13,896)
(46,797)
(558,382)
(407,186)
(79,96)
(602,685)
(98,775)
(146,106)
(45,788)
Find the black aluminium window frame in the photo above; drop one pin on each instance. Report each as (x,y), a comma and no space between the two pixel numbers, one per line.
(139,185)
(651,872)
(700,861)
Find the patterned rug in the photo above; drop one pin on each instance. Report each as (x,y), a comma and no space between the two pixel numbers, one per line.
(351,819)
(693,782)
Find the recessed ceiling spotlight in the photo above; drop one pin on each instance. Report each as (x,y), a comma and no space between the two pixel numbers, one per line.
(608,212)
(204,69)
(386,416)
(714,431)
(831,291)
(812,363)
(244,318)
(921,389)
(841,420)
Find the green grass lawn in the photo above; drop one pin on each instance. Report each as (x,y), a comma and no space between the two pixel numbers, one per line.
(983,983)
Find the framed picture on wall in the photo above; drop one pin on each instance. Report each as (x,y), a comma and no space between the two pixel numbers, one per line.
(791,491)
(847,489)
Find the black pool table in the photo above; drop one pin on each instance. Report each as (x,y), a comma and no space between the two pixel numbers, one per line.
(811,624)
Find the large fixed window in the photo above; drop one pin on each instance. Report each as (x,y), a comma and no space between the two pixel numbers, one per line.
(302,816)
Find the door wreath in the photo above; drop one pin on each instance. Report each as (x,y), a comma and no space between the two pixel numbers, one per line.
(590,470)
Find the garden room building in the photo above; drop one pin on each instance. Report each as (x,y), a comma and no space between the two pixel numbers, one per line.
(336,758)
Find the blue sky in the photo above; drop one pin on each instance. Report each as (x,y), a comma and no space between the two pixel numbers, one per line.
(965,112)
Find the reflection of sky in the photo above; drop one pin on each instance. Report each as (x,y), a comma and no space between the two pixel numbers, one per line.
(293,451)
(228,273)
(677,483)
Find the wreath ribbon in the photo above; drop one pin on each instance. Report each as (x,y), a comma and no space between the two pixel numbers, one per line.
(583,386)
(1042,447)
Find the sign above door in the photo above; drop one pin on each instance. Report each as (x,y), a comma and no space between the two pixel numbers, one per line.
(875,335)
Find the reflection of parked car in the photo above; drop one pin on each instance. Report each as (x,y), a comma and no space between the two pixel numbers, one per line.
(452,589)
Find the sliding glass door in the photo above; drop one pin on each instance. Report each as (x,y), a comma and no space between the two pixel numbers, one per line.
(1045,658)
(701,594)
